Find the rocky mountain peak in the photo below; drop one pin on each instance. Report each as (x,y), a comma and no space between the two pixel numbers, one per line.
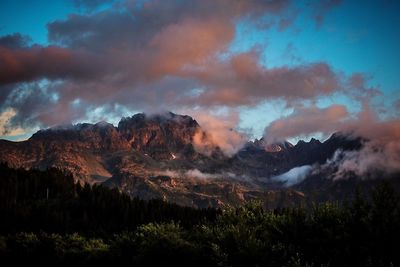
(312,143)
(275,147)
(99,136)
(158,135)
(141,120)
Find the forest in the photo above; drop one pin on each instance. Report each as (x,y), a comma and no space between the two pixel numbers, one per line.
(47,219)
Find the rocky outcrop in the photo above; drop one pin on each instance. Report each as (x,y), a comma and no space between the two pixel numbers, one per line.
(160,136)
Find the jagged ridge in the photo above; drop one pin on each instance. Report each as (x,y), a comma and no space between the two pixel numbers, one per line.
(152,156)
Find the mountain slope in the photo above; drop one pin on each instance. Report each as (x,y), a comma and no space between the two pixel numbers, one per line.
(154,157)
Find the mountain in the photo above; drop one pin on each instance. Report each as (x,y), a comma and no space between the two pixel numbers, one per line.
(153,156)
(159,136)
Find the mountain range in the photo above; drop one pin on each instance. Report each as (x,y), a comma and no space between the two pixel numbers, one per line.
(154,156)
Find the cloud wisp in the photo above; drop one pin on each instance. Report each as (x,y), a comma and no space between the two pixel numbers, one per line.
(293,176)
(219,131)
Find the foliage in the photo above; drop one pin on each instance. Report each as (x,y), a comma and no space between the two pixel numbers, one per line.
(98,226)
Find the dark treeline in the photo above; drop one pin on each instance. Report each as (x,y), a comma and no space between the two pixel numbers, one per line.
(33,200)
(48,220)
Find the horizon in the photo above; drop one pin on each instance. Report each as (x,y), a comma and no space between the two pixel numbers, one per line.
(115,125)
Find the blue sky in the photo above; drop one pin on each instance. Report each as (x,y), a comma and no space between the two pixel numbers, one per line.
(30,17)
(354,37)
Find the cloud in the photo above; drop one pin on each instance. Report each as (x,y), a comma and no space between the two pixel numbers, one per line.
(381,149)
(219,131)
(138,53)
(293,176)
(306,121)
(29,64)
(15,40)
(322,7)
(195,173)
(241,80)
(190,174)
(159,55)
(5,128)
(374,158)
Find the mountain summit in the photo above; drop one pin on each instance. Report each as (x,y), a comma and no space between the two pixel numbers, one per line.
(159,136)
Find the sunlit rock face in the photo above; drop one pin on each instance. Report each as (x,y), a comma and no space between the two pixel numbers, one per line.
(153,156)
(275,147)
(97,137)
(159,135)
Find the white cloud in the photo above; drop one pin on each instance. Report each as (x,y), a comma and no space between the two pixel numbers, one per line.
(5,128)
(294,176)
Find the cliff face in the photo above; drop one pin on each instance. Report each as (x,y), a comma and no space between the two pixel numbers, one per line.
(160,136)
(154,157)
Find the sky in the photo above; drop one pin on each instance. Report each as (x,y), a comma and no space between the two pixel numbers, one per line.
(276,69)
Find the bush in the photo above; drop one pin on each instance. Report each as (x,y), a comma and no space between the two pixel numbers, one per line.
(165,244)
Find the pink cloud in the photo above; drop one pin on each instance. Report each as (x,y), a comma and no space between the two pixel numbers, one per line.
(218,131)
